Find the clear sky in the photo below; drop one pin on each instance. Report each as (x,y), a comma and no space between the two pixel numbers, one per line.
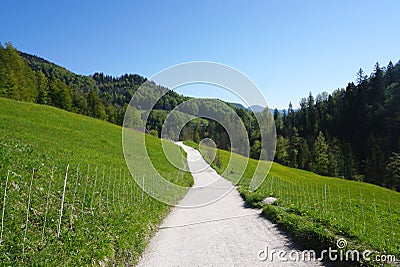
(288,48)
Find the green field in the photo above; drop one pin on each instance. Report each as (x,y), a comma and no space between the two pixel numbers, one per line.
(318,210)
(106,218)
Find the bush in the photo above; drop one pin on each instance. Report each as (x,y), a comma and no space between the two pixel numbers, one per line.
(154,133)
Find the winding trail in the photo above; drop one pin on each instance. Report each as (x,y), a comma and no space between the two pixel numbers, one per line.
(223,233)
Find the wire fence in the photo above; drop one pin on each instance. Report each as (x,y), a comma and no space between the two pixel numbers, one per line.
(42,209)
(352,211)
(54,206)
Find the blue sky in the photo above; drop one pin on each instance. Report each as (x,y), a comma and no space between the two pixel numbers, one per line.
(288,48)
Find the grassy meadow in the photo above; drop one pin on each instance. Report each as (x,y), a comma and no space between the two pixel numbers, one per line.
(55,164)
(319,210)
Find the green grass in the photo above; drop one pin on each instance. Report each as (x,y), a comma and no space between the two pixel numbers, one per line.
(318,210)
(106,218)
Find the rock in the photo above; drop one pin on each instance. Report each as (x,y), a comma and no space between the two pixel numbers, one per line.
(269,200)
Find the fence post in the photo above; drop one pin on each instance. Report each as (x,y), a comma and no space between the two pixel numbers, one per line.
(94,192)
(62,202)
(84,193)
(47,203)
(391,219)
(27,213)
(142,187)
(4,208)
(325,198)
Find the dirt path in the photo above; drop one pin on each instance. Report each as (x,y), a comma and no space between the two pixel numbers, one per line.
(224,233)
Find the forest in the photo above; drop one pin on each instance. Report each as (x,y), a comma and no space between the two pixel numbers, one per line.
(353,133)
(30,78)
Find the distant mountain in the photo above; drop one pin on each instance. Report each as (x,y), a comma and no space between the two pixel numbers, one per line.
(256,108)
(281,111)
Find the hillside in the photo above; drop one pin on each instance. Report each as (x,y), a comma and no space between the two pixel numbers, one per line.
(30,78)
(105,218)
(318,210)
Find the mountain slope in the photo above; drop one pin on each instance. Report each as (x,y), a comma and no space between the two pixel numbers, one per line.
(105,218)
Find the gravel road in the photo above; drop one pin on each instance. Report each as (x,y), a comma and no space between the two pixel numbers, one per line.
(224,233)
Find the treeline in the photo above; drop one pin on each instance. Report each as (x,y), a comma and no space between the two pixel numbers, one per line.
(30,78)
(198,129)
(352,133)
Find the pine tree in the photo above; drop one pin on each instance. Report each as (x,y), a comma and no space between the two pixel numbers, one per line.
(294,146)
(361,77)
(217,159)
(17,79)
(389,75)
(320,154)
(346,162)
(132,118)
(375,163)
(392,177)
(282,147)
(43,88)
(377,87)
(60,95)
(255,150)
(334,154)
(95,107)
(304,155)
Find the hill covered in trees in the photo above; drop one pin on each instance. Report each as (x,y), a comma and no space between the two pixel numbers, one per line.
(30,78)
(352,133)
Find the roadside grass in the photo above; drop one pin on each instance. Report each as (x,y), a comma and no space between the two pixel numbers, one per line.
(319,210)
(106,218)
